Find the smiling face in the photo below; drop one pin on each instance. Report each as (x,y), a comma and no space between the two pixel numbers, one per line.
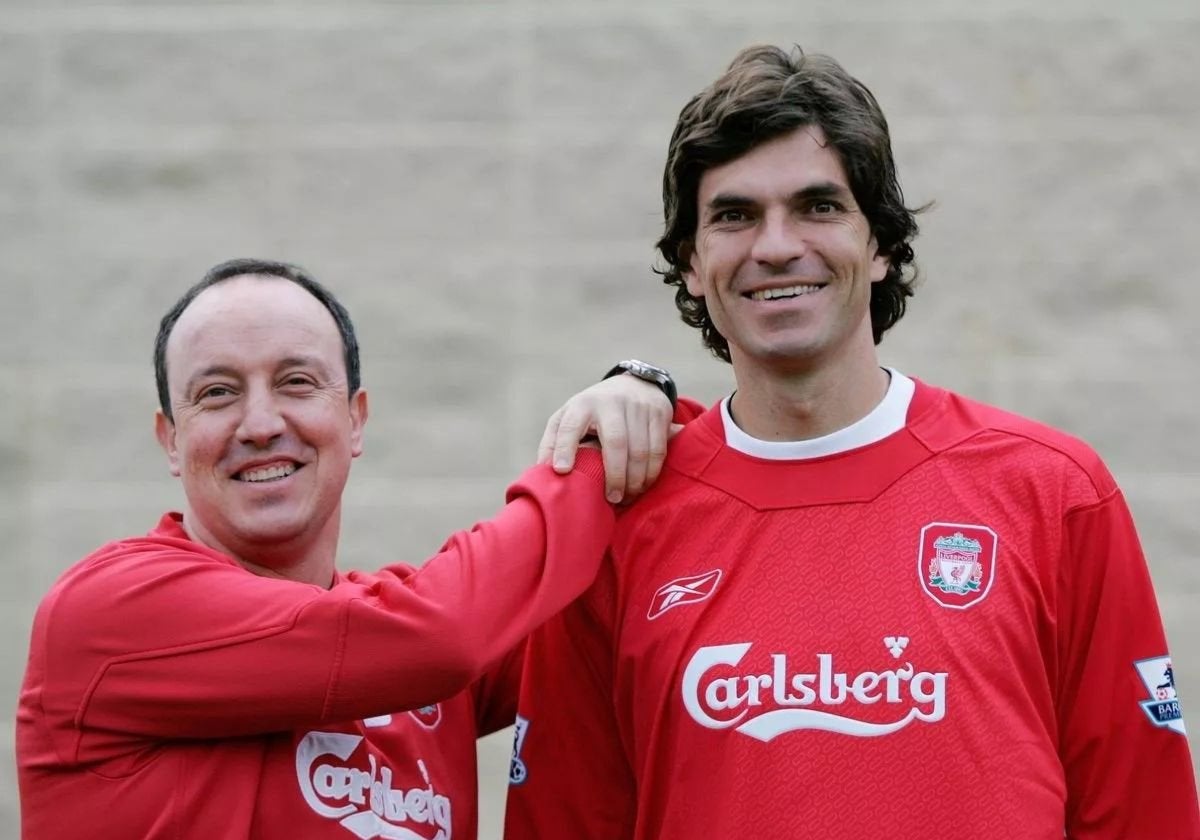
(264,428)
(784,258)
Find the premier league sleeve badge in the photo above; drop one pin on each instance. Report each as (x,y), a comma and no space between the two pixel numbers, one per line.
(1163,706)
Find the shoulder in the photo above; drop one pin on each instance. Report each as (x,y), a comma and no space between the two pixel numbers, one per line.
(159,552)
(132,558)
(951,421)
(113,593)
(101,585)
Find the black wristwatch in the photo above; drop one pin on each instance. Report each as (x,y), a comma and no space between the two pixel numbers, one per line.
(651,373)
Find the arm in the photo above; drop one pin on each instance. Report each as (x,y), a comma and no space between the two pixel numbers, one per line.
(1128,770)
(570,778)
(163,643)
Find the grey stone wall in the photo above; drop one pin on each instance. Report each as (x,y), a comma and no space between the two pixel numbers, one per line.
(479,182)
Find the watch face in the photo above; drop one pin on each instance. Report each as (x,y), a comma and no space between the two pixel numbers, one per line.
(649,373)
(646,371)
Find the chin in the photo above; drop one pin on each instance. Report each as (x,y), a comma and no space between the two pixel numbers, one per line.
(272,530)
(796,353)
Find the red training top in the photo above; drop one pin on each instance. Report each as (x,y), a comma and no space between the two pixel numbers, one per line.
(949,633)
(170,693)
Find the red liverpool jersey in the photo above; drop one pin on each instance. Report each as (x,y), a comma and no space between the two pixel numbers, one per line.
(949,633)
(170,693)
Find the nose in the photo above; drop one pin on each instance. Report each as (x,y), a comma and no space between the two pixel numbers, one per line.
(778,241)
(261,422)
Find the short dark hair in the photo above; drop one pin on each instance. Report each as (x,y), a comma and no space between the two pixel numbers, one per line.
(767,93)
(258,268)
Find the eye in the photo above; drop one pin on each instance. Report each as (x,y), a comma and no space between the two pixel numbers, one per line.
(215,392)
(297,381)
(825,208)
(730,215)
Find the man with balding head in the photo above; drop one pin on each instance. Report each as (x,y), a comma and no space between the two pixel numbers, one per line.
(219,676)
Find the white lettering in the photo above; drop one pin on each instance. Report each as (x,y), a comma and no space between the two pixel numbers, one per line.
(727,700)
(702,661)
(313,746)
(935,694)
(332,782)
(723,694)
(416,802)
(864,684)
(388,806)
(394,807)
(360,784)
(804,684)
(381,789)
(827,680)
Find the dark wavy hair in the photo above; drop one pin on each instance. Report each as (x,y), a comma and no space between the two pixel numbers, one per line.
(255,268)
(765,94)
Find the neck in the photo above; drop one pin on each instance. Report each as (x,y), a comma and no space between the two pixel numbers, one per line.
(302,559)
(804,403)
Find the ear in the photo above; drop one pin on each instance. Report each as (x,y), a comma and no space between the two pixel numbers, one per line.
(358,419)
(164,430)
(880,263)
(690,277)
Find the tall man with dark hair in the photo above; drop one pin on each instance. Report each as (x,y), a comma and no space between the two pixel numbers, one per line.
(855,605)
(219,677)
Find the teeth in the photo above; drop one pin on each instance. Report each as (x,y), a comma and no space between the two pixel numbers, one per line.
(787,291)
(268,473)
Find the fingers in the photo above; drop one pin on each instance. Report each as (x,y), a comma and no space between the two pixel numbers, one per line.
(632,421)
(638,425)
(649,429)
(574,424)
(545,448)
(659,433)
(614,449)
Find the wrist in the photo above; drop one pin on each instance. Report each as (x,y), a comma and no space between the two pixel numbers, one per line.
(653,374)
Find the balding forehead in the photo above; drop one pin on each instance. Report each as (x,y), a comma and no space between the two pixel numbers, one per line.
(260,313)
(254,294)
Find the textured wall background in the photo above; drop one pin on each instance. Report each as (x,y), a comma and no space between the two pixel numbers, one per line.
(479,182)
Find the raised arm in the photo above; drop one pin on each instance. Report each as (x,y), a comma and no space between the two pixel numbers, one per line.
(154,641)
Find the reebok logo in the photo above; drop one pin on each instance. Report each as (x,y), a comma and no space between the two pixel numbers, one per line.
(684,590)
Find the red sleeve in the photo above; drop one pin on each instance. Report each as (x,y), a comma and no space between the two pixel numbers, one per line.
(687,410)
(1124,751)
(570,778)
(166,643)
(495,695)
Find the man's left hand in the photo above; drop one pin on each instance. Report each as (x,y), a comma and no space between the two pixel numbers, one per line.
(632,420)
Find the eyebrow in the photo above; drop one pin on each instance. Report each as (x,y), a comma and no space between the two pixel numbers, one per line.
(823,189)
(211,370)
(302,361)
(226,370)
(820,189)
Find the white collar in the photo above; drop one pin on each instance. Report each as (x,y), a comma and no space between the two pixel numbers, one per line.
(884,419)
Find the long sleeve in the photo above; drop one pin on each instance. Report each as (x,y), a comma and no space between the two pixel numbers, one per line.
(153,641)
(570,777)
(1122,743)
